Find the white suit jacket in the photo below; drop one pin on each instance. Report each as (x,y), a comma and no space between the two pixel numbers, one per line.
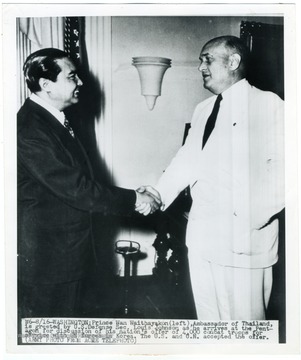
(236,181)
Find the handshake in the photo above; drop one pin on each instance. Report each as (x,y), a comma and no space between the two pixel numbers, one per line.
(148,200)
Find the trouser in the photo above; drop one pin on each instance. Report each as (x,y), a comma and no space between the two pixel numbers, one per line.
(229,293)
(50,300)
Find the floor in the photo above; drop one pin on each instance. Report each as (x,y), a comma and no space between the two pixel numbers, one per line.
(153,297)
(164,295)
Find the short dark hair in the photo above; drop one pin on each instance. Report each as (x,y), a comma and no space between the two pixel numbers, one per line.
(42,64)
(236,45)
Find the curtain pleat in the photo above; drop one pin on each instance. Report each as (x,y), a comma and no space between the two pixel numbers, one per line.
(34,34)
(23,49)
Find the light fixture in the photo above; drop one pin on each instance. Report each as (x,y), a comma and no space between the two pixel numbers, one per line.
(151,70)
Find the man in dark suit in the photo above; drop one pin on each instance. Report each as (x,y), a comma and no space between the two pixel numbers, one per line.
(57,193)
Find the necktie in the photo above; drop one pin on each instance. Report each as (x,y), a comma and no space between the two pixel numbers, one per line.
(211,120)
(68,127)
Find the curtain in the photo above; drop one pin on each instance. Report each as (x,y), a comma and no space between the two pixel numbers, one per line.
(34,34)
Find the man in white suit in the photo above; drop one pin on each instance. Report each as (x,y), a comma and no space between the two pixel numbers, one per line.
(236,176)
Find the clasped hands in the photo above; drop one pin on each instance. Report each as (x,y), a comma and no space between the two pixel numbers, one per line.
(148,200)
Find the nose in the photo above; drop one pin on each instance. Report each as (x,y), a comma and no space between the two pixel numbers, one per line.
(201,67)
(79,81)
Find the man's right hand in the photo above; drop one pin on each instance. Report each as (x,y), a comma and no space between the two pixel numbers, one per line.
(148,200)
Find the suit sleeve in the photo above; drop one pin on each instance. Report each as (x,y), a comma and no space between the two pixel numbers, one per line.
(46,161)
(179,174)
(267,180)
(271,188)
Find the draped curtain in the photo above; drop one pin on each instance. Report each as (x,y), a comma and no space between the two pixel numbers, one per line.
(34,34)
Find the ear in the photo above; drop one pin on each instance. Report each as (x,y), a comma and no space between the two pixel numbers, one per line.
(45,84)
(234,61)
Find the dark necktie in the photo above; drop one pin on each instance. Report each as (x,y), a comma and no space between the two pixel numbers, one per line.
(211,120)
(68,127)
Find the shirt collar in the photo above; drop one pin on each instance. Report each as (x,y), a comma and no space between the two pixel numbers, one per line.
(235,89)
(59,115)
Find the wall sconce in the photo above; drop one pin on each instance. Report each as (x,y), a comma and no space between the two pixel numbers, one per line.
(151,71)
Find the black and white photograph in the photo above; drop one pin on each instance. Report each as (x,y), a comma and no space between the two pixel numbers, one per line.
(150,175)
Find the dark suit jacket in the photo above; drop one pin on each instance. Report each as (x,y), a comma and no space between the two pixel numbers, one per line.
(56,196)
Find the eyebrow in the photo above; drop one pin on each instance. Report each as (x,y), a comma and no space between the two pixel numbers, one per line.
(205,55)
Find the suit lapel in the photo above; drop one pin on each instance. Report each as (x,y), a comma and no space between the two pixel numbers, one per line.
(72,145)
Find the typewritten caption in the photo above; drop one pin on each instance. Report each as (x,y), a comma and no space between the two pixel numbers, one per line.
(136,331)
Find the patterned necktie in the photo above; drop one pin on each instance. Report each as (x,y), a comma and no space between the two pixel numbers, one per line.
(211,120)
(68,127)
